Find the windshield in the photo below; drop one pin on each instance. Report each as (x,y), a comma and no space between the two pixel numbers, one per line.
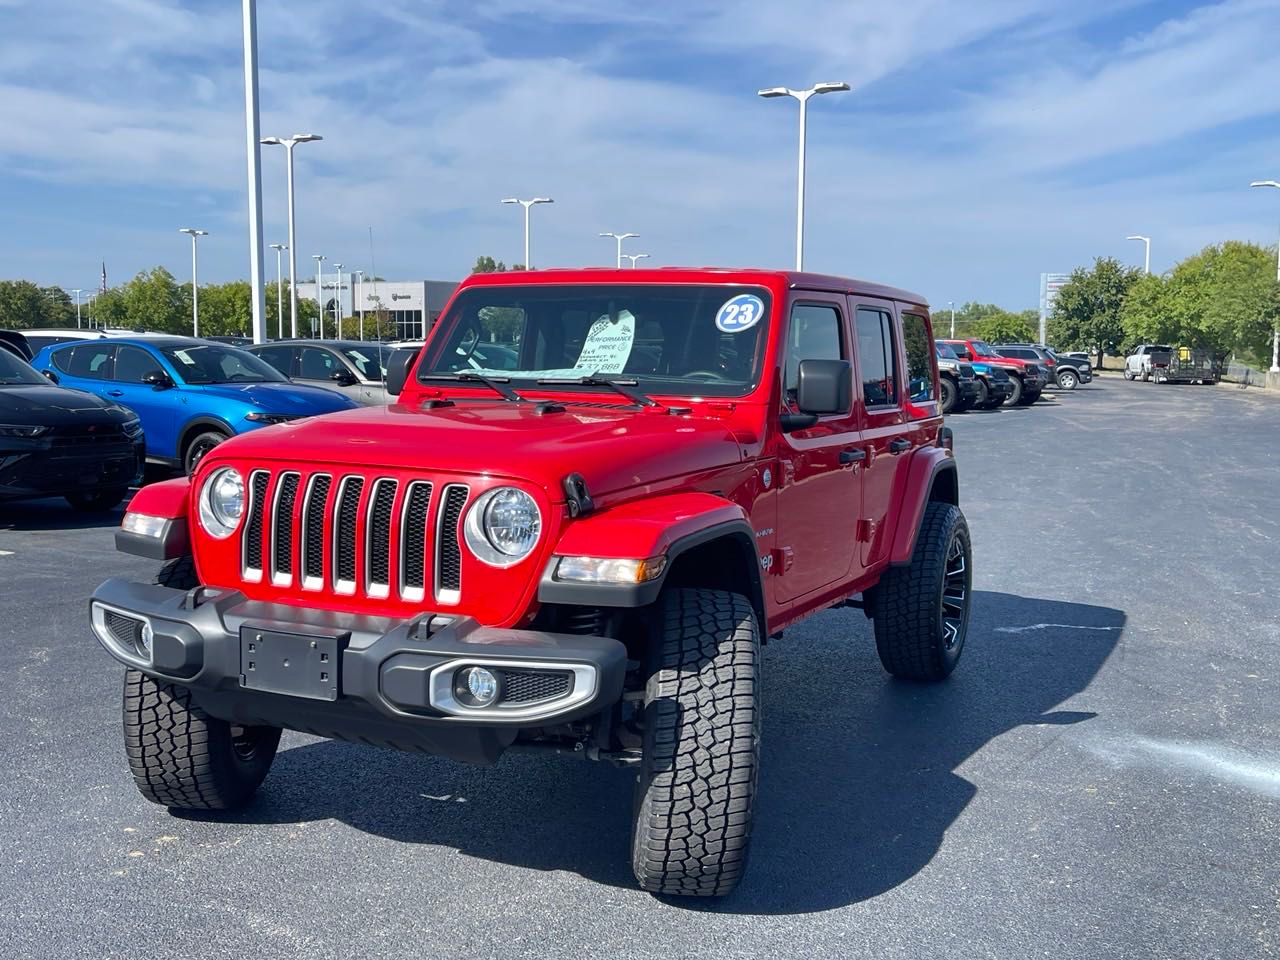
(946,352)
(214,363)
(371,361)
(983,349)
(681,339)
(14,371)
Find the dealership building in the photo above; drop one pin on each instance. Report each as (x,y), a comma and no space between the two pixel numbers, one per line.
(413,306)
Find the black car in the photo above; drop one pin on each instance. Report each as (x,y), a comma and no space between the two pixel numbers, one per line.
(1065,372)
(63,443)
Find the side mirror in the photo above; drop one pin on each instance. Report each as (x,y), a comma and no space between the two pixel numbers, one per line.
(158,379)
(398,368)
(825,386)
(343,378)
(50,376)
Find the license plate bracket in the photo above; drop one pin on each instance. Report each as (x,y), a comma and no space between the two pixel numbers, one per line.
(291,664)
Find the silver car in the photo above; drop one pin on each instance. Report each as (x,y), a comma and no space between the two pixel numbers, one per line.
(355,368)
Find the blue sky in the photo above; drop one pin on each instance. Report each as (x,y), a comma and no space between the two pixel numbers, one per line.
(983,142)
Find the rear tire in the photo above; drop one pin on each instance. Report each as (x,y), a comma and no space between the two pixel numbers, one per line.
(949,394)
(921,611)
(701,752)
(99,501)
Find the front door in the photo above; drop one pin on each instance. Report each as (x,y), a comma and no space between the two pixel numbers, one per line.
(820,479)
(155,406)
(317,367)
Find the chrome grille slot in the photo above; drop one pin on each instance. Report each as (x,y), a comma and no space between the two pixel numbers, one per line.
(377,543)
(345,534)
(448,586)
(313,511)
(251,543)
(286,496)
(413,540)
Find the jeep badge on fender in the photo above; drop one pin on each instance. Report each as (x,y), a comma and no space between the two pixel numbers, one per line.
(595,495)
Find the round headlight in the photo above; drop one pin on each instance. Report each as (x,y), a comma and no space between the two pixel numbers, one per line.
(222,502)
(503,526)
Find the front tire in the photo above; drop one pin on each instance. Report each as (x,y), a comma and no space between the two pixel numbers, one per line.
(1128,374)
(1068,379)
(701,748)
(1028,398)
(199,447)
(1016,396)
(921,611)
(949,394)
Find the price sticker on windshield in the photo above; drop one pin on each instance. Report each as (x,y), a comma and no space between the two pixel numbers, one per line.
(741,313)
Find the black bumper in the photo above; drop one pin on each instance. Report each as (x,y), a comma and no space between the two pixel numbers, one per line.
(999,389)
(967,390)
(39,468)
(354,677)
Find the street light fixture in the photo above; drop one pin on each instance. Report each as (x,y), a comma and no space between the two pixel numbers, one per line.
(1146,266)
(527,204)
(803,97)
(195,287)
(288,144)
(1275,334)
(77,291)
(319,258)
(620,237)
(633,257)
(279,248)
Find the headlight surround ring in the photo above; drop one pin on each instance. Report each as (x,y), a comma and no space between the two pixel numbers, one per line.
(222,502)
(503,526)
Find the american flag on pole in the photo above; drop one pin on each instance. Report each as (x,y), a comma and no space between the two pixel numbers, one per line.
(104,277)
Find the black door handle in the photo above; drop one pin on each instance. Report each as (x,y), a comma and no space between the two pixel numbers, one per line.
(899,445)
(854,455)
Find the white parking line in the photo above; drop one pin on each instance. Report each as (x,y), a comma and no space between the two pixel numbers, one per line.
(1050,626)
(6,553)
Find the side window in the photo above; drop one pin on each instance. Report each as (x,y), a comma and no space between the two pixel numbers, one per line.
(962,351)
(279,357)
(876,354)
(915,337)
(134,363)
(91,361)
(814,334)
(317,364)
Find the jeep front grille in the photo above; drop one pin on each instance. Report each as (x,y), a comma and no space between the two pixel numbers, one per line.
(359,535)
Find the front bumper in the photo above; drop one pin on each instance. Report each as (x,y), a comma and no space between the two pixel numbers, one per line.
(999,389)
(968,390)
(38,468)
(354,677)
(1034,382)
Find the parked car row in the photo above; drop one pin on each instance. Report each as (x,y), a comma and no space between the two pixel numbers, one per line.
(982,376)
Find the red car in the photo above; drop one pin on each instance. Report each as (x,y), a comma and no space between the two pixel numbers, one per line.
(582,552)
(1029,378)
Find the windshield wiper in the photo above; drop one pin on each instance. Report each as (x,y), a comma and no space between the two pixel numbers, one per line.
(624,387)
(496,384)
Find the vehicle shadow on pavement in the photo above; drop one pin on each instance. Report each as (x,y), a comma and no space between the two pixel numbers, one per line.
(56,514)
(857,788)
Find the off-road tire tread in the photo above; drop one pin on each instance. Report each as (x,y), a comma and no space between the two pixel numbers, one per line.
(698,779)
(906,601)
(179,573)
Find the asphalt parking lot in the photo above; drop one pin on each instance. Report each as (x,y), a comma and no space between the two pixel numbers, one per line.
(1100,778)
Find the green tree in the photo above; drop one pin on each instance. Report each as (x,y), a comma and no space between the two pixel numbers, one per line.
(1087,312)
(1003,327)
(59,309)
(153,300)
(486,264)
(22,305)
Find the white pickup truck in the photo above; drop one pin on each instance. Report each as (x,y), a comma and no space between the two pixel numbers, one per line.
(1146,362)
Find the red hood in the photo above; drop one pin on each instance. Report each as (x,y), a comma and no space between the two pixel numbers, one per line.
(612,449)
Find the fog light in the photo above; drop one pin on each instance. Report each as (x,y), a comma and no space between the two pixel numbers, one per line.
(476,686)
(145,636)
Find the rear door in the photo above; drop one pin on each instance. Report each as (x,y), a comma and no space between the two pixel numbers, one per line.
(86,366)
(887,435)
(819,490)
(155,406)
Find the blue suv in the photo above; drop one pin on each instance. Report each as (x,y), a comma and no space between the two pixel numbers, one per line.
(189,394)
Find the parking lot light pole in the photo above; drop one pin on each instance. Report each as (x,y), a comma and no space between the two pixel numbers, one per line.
(1146,264)
(803,97)
(337,303)
(1275,334)
(527,204)
(319,258)
(288,145)
(633,257)
(359,303)
(279,288)
(77,291)
(195,286)
(620,237)
(952,305)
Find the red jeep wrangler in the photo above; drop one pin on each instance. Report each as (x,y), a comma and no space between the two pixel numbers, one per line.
(578,545)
